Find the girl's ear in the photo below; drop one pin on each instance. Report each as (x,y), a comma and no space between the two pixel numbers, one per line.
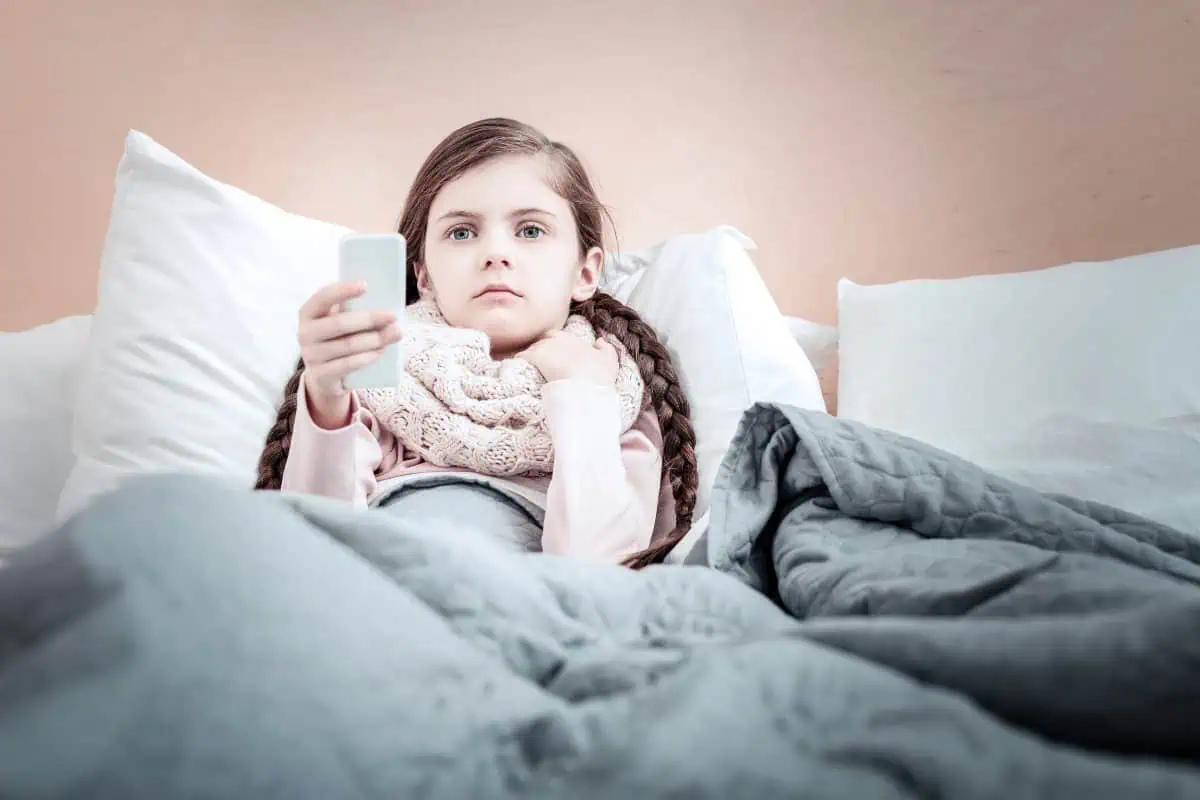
(423,284)
(588,280)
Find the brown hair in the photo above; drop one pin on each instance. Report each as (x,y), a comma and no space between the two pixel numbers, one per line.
(463,150)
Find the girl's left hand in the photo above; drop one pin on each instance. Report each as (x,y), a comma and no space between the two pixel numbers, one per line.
(561,356)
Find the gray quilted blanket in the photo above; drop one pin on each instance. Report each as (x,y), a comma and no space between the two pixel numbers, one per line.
(878,620)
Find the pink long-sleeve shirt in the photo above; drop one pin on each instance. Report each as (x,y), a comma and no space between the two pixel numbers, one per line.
(605,500)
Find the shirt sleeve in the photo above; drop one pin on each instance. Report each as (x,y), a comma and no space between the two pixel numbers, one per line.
(341,463)
(603,497)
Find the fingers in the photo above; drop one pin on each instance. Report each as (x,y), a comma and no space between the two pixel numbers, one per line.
(334,342)
(334,372)
(550,336)
(531,350)
(606,349)
(346,323)
(344,346)
(327,297)
(541,343)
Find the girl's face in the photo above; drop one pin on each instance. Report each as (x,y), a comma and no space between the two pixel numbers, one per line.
(502,254)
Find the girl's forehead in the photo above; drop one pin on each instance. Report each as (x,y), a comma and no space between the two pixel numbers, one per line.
(499,186)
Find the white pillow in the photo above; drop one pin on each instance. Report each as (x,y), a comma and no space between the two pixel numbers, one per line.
(819,342)
(706,299)
(194,330)
(973,364)
(623,271)
(38,381)
(194,333)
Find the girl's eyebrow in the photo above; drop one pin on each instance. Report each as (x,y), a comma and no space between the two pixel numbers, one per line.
(525,212)
(457,214)
(475,215)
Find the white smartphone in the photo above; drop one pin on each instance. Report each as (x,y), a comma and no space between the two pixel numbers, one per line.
(376,259)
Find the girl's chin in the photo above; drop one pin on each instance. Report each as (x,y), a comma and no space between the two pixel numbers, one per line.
(506,344)
(509,333)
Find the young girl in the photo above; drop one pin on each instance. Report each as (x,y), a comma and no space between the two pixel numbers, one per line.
(504,235)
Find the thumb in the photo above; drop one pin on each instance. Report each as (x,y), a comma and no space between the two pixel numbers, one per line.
(605,348)
(532,348)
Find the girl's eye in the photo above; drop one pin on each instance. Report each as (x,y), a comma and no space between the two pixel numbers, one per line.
(531,232)
(459,234)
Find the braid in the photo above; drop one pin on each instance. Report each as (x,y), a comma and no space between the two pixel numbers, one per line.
(611,317)
(279,438)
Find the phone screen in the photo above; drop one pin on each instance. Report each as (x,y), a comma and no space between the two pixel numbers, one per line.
(378,261)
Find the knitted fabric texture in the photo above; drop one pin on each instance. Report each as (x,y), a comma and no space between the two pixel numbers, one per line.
(456,406)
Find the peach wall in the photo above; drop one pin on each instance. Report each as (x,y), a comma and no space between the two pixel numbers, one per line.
(872,138)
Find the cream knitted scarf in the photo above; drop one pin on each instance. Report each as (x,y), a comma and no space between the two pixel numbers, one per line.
(455,406)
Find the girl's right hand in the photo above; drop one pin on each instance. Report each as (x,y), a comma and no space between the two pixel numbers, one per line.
(335,343)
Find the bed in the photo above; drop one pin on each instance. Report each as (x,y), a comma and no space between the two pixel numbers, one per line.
(980,578)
